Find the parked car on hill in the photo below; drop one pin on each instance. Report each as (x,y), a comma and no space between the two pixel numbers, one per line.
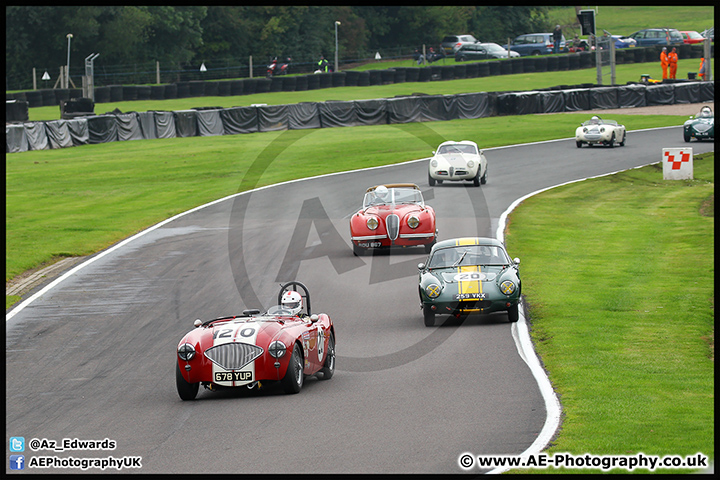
(657,36)
(536,44)
(482,51)
(709,33)
(452,43)
(691,36)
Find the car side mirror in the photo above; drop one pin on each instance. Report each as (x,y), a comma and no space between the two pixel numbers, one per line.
(197,322)
(421,266)
(314,317)
(516,260)
(433,152)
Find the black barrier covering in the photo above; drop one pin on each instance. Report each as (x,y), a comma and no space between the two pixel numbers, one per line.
(128,127)
(371,112)
(165,124)
(576,99)
(337,114)
(603,97)
(16,111)
(303,115)
(552,101)
(415,108)
(239,120)
(272,118)
(102,129)
(209,123)
(79,131)
(472,105)
(58,134)
(660,94)
(15,138)
(147,124)
(185,123)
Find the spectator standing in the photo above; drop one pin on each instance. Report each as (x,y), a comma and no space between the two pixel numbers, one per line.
(672,62)
(557,37)
(664,62)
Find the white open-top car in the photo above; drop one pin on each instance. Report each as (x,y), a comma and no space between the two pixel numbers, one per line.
(458,161)
(597,131)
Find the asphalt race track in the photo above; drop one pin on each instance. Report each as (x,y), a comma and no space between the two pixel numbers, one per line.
(93,358)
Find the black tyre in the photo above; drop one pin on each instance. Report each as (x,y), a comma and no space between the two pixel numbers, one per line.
(611,143)
(292,382)
(686,137)
(431,180)
(429,316)
(622,144)
(483,179)
(514,313)
(186,390)
(328,369)
(476,180)
(579,144)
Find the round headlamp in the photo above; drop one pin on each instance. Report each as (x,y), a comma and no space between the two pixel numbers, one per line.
(277,349)
(507,287)
(433,163)
(413,221)
(372,223)
(470,164)
(433,290)
(186,352)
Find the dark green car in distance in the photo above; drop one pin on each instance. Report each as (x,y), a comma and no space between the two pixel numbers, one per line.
(701,126)
(469,275)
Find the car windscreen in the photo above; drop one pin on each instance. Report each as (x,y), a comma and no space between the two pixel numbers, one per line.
(394,196)
(466,255)
(457,148)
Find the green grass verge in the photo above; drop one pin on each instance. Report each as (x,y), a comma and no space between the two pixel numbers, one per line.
(620,291)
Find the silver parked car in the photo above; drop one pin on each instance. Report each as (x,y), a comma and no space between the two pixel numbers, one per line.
(452,43)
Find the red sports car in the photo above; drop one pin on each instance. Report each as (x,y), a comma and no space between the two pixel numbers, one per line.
(393,215)
(284,345)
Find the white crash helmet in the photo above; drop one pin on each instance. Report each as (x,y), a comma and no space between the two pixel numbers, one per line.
(292,301)
(381,192)
(595,119)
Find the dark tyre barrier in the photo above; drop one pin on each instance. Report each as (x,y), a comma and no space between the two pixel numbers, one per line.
(183,89)
(563,62)
(541,64)
(364,79)
(211,89)
(552,64)
(34,98)
(143,92)
(412,74)
(290,84)
(425,74)
(157,92)
(387,77)
(171,90)
(62,95)
(237,87)
(102,94)
(586,59)
(506,67)
(197,88)
(129,93)
(263,85)
(313,81)
(528,64)
(301,83)
(250,86)
(483,69)
(573,61)
(472,70)
(447,72)
(494,67)
(48,98)
(517,64)
(351,78)
(224,88)
(276,84)
(375,78)
(338,79)
(325,80)
(460,71)
(400,75)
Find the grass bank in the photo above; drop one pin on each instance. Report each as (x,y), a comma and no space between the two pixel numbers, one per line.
(618,276)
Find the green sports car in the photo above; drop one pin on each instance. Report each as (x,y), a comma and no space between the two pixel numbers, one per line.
(469,275)
(701,126)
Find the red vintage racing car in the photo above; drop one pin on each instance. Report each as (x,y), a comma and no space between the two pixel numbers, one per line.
(393,215)
(284,345)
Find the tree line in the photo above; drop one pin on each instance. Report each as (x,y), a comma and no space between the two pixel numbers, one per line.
(36,36)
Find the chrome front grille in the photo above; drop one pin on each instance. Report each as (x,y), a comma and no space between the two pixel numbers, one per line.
(392,222)
(233,356)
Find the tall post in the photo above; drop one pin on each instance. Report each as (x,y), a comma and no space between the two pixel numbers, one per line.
(336,46)
(157,72)
(67,69)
